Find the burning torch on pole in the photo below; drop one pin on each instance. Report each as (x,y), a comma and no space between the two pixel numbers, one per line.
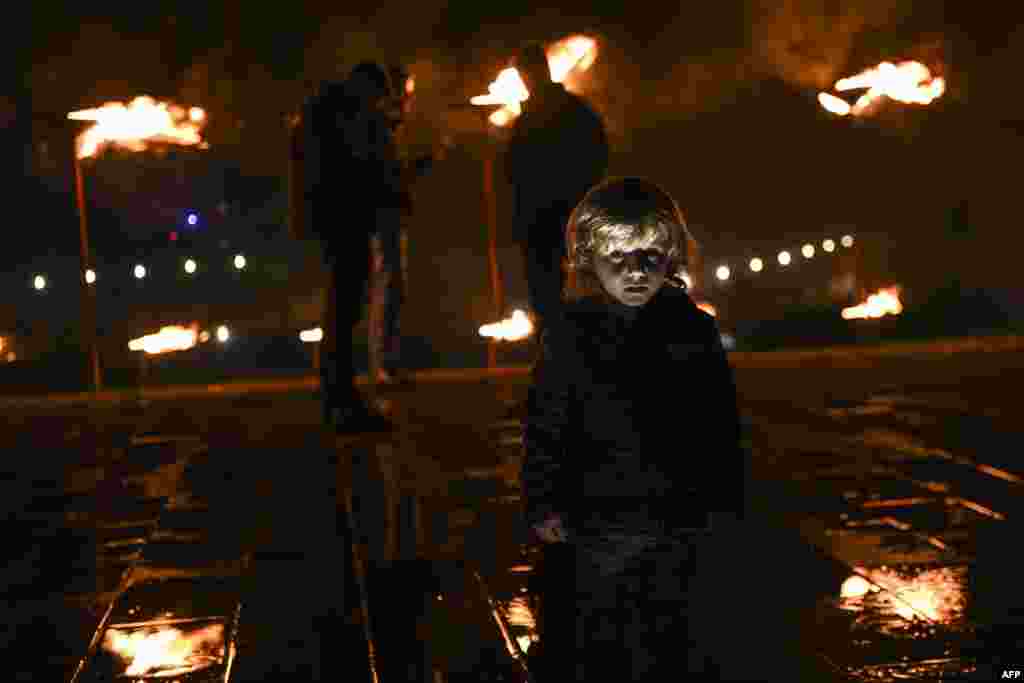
(566,58)
(133,126)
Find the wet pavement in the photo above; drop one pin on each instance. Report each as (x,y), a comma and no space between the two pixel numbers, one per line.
(884,502)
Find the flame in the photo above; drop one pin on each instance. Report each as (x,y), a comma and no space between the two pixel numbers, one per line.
(133,125)
(314,334)
(908,82)
(165,651)
(511,329)
(569,56)
(934,594)
(836,105)
(708,308)
(169,338)
(885,301)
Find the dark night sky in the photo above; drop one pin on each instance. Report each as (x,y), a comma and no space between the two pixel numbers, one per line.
(715,100)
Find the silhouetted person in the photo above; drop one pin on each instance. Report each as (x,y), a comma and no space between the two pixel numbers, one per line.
(352,175)
(388,242)
(557,151)
(631,445)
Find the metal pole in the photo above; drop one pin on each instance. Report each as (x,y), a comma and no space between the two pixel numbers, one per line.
(88,291)
(491,214)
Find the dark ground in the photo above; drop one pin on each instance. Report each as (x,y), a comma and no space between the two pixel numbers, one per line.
(907,462)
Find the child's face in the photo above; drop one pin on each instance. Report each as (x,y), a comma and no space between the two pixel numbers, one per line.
(632,269)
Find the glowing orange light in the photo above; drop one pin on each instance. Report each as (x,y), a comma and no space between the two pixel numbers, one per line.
(133,125)
(566,58)
(511,329)
(169,338)
(708,308)
(164,651)
(909,82)
(885,301)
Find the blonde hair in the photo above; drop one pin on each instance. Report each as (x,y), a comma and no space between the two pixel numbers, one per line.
(619,209)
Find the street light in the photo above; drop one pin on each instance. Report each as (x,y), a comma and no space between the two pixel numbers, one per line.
(140,271)
(784,258)
(90,276)
(808,250)
(722,273)
(190,266)
(39,282)
(239,261)
(756,264)
(829,246)
(847,241)
(223,334)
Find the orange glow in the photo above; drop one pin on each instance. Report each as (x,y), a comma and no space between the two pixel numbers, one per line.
(836,105)
(708,308)
(511,329)
(314,334)
(885,301)
(932,594)
(141,121)
(908,82)
(163,651)
(169,338)
(566,58)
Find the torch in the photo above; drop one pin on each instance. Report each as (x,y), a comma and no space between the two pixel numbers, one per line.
(566,57)
(133,127)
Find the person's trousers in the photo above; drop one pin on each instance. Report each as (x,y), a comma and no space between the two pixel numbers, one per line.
(343,306)
(387,292)
(630,622)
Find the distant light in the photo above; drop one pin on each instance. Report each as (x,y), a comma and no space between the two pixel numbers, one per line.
(223,334)
(847,241)
(828,245)
(784,258)
(90,276)
(140,271)
(196,114)
(239,261)
(808,250)
(722,273)
(204,336)
(11,356)
(193,219)
(756,265)
(728,341)
(39,282)
(173,235)
(190,266)
(312,335)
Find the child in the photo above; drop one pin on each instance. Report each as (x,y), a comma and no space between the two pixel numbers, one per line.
(631,441)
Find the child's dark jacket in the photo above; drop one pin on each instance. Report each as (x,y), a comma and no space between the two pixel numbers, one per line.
(632,429)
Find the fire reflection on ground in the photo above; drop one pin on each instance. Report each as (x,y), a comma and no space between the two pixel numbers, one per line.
(520,617)
(164,650)
(891,600)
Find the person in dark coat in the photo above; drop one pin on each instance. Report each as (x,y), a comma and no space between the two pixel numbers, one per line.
(352,175)
(558,149)
(631,444)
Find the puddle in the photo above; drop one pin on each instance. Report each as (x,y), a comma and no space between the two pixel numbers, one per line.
(903,622)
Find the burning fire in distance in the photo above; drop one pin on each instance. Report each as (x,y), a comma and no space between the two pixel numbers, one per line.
(510,329)
(133,125)
(885,301)
(908,82)
(933,594)
(169,338)
(574,54)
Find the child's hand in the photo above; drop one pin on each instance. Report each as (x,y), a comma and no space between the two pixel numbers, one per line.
(551,530)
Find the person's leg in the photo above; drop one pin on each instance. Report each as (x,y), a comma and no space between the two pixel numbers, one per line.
(394,297)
